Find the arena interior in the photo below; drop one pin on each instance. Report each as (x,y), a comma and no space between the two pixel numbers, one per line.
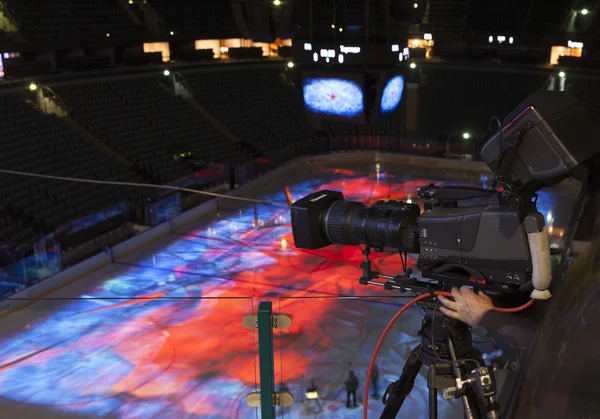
(150,152)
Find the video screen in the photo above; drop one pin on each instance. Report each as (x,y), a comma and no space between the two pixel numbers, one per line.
(392,94)
(335,97)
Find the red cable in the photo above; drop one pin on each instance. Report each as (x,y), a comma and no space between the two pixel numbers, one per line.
(393,320)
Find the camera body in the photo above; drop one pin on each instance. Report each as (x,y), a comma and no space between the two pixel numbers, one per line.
(457,241)
(486,244)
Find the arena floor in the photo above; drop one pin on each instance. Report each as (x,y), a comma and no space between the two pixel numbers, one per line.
(159,333)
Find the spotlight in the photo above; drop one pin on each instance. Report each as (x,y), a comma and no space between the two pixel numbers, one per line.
(413,66)
(341,30)
(332,26)
(466,135)
(290,64)
(416,5)
(584,11)
(167,73)
(33,87)
(562,74)
(171,33)
(277,2)
(107,35)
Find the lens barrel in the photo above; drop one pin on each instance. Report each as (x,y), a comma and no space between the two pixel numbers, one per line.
(384,224)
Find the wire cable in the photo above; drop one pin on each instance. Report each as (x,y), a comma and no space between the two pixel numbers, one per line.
(142,185)
(393,320)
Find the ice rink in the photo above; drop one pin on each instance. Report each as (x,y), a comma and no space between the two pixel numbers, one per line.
(158,334)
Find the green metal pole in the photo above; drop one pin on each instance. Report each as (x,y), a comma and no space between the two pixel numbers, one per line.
(265,356)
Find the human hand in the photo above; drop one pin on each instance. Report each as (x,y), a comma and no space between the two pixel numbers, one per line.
(467,306)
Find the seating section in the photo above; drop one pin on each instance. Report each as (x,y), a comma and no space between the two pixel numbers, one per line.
(14,231)
(41,20)
(459,100)
(35,142)
(256,104)
(507,17)
(208,19)
(144,122)
(587,91)
(389,125)
(349,17)
(322,13)
(446,16)
(546,18)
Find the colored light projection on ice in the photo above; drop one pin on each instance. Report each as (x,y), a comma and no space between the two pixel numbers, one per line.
(334,97)
(161,337)
(392,94)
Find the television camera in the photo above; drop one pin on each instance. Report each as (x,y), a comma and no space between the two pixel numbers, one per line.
(491,239)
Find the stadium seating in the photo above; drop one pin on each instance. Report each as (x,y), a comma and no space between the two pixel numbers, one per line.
(208,19)
(144,122)
(446,16)
(348,17)
(255,103)
(35,142)
(388,125)
(322,15)
(546,18)
(507,17)
(40,20)
(464,99)
(587,91)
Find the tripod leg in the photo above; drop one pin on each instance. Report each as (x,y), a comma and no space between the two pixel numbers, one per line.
(432,386)
(433,403)
(471,406)
(396,392)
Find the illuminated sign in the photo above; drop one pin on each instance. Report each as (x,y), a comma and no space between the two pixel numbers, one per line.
(349,50)
(572,44)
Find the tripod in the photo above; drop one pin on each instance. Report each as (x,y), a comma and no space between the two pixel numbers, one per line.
(446,345)
(443,342)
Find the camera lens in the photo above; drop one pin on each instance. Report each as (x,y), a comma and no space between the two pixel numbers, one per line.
(384,224)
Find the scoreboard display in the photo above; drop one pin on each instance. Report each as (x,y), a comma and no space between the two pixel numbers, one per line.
(348,55)
(392,94)
(351,96)
(334,96)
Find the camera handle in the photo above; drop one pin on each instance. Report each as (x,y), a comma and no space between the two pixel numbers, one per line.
(435,195)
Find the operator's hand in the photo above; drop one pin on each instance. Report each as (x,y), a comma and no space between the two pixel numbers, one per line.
(467,306)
